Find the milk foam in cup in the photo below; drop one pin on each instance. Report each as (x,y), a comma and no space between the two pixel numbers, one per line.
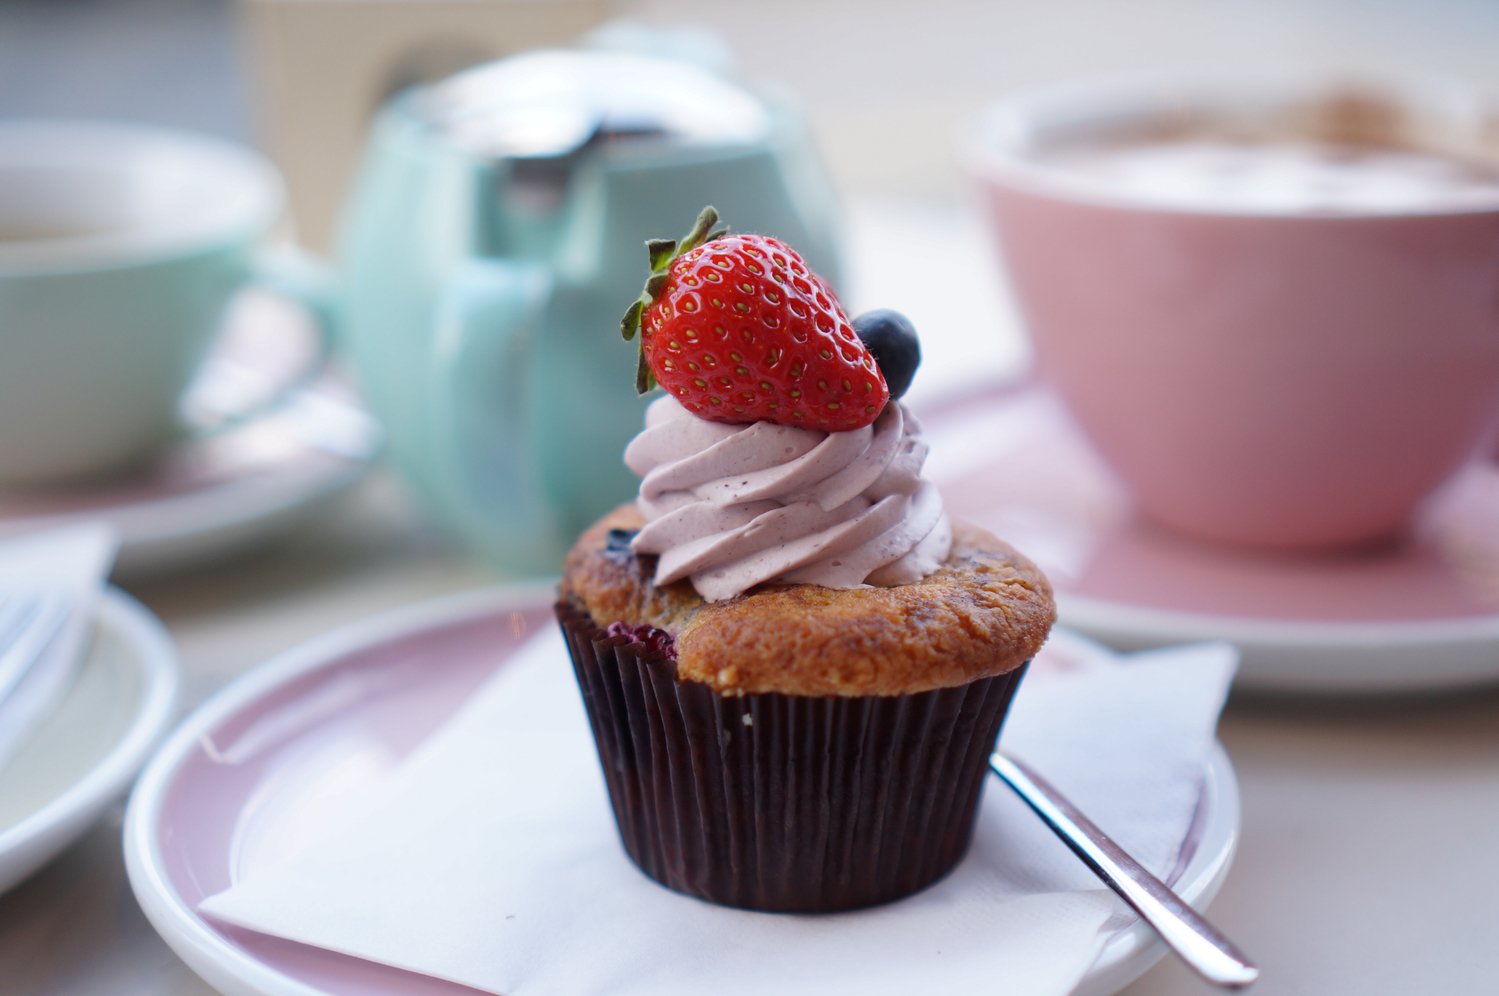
(1296,176)
(1270,304)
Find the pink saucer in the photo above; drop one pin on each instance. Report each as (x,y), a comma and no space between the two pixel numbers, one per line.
(1423,614)
(271,760)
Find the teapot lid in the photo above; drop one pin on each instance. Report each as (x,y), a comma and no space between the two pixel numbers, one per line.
(553,102)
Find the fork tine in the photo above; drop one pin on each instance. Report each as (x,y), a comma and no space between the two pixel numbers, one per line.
(48,611)
(15,607)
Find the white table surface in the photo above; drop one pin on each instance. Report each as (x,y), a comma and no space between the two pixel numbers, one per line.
(1368,863)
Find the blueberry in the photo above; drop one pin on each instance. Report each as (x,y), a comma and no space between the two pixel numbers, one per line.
(618,540)
(891,340)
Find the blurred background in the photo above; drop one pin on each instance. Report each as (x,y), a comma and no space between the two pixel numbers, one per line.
(885,86)
(884,82)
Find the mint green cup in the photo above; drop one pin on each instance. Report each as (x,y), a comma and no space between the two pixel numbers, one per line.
(120,249)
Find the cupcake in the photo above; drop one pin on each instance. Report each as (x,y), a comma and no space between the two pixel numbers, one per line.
(794,665)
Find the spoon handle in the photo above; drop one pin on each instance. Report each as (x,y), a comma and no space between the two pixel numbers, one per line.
(1195,941)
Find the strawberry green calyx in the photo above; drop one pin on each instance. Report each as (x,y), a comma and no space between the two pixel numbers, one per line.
(662,253)
(739,329)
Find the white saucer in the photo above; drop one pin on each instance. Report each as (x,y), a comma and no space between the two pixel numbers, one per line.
(330,718)
(85,754)
(1420,616)
(214,493)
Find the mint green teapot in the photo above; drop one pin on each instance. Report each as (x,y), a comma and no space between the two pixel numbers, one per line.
(494,238)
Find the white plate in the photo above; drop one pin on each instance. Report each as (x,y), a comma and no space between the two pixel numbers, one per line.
(216,493)
(331,717)
(83,757)
(1422,615)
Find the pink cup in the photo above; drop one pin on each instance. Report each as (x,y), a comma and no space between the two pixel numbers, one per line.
(1258,373)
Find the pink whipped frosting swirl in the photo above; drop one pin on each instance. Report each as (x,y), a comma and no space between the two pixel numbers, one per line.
(731,506)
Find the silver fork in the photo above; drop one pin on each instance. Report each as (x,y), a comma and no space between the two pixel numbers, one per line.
(29,619)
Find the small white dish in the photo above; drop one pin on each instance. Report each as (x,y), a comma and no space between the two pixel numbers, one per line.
(330,718)
(1207,853)
(1422,615)
(215,492)
(85,754)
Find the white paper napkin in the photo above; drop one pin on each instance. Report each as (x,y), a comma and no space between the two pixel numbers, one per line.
(490,857)
(73,560)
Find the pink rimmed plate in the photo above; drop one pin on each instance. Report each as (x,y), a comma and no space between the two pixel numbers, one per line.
(1419,615)
(269,762)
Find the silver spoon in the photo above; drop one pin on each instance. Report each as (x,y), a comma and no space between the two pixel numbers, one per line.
(1195,941)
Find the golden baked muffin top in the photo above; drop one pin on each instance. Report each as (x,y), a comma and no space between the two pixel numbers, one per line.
(986,611)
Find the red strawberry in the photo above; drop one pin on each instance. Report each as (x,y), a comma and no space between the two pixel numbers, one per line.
(739,329)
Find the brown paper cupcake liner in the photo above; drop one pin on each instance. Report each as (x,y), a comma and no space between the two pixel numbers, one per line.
(782,802)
